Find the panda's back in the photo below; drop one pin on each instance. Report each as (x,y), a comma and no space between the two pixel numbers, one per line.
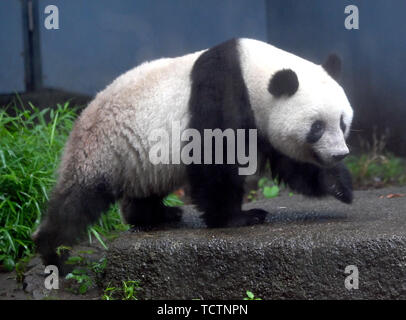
(111,137)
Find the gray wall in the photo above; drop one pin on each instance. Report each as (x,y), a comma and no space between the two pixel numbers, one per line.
(11,47)
(99,39)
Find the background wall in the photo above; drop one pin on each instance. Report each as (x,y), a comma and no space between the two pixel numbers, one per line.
(374,57)
(100,39)
(11,44)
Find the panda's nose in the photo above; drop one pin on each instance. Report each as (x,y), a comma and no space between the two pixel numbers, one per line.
(339,157)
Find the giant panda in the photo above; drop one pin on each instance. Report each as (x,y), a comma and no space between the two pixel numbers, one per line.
(300,113)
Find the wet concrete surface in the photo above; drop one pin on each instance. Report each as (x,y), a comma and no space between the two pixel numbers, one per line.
(300,253)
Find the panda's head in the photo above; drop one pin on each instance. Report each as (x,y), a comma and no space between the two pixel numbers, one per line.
(310,116)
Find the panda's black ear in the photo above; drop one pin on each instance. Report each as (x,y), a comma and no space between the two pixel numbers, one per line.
(283,82)
(333,66)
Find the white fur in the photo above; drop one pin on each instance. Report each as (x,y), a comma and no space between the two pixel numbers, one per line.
(287,120)
(110,137)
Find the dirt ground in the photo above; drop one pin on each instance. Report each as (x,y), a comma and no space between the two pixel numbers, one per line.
(31,286)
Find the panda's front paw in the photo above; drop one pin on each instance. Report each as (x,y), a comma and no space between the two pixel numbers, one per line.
(339,183)
(248,218)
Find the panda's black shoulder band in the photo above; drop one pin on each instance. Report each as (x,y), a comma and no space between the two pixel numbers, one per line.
(283,82)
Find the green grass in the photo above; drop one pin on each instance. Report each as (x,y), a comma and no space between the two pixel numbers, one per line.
(30,147)
(128,291)
(29,153)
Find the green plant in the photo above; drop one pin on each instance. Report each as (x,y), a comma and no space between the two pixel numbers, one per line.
(376,167)
(99,266)
(30,145)
(371,170)
(76,260)
(81,274)
(109,293)
(60,249)
(269,188)
(29,151)
(128,291)
(252,195)
(172,200)
(21,267)
(250,296)
(83,280)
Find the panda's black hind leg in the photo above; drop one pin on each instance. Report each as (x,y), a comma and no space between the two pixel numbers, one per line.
(70,211)
(148,213)
(218,192)
(240,218)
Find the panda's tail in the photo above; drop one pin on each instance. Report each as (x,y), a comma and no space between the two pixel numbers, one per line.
(70,212)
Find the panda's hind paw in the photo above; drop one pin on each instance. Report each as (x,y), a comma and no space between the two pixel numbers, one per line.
(248,218)
(172,214)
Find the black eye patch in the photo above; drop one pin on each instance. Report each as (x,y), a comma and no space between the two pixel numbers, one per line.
(316,131)
(342,124)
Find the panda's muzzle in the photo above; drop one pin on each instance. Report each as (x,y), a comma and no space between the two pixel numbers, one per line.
(335,158)
(339,157)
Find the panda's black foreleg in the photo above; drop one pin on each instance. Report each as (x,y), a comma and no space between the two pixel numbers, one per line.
(218,191)
(338,183)
(148,213)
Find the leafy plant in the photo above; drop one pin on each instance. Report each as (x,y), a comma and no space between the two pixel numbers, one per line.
(62,248)
(252,195)
(29,153)
(376,171)
(250,296)
(82,275)
(172,200)
(82,278)
(271,192)
(376,167)
(99,266)
(31,143)
(128,291)
(269,188)
(21,267)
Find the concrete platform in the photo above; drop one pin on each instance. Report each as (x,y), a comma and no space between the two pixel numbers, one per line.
(300,253)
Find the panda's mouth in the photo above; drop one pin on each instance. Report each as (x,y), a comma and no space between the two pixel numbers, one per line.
(317,158)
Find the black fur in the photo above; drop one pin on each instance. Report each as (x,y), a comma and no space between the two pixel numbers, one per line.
(283,82)
(219,99)
(316,131)
(309,179)
(342,124)
(333,66)
(68,215)
(148,213)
